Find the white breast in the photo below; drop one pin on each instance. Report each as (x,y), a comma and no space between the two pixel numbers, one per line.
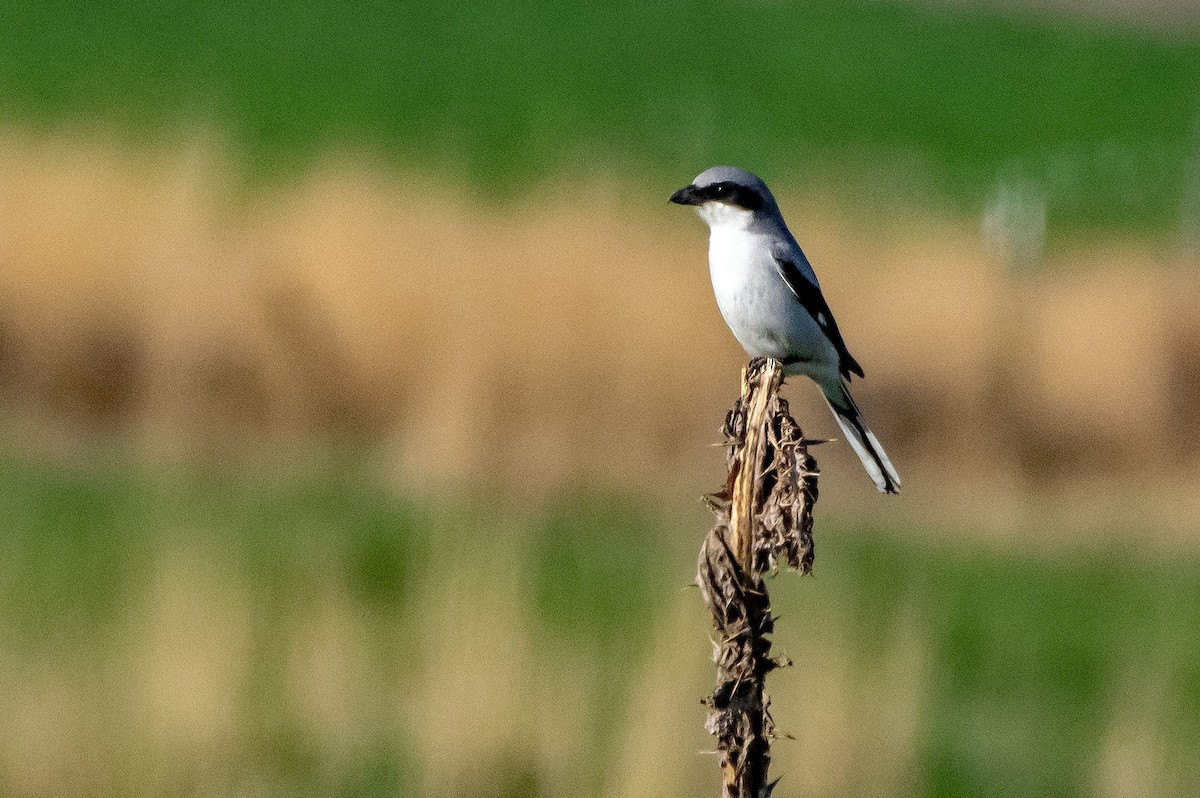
(756,302)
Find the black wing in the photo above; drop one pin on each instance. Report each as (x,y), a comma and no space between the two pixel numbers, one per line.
(809,296)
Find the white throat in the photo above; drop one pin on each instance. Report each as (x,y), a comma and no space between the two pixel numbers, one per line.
(719,214)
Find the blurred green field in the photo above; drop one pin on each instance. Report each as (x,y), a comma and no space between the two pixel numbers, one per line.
(179,624)
(200,632)
(875,101)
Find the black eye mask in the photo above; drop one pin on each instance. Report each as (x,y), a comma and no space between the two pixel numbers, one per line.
(733,194)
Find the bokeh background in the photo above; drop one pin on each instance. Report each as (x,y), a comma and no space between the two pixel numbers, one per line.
(357,387)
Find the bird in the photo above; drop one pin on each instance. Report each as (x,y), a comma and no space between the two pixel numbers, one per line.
(769,296)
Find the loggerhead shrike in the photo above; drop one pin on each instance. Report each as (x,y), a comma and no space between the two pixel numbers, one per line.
(771,300)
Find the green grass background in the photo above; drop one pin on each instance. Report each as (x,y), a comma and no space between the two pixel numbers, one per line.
(1029,655)
(876,101)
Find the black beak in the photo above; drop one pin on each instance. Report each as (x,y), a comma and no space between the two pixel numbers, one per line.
(688,195)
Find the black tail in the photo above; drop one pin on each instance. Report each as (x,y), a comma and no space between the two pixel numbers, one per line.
(863,441)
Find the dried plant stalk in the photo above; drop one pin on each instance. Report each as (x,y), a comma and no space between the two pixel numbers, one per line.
(764,517)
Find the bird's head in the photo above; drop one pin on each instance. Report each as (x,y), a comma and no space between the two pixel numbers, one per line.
(726,194)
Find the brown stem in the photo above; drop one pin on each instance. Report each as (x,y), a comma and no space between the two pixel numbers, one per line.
(764,515)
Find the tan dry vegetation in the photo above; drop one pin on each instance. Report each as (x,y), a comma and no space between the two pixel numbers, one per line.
(568,335)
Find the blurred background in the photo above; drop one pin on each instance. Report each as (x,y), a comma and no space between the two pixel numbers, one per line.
(358,387)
